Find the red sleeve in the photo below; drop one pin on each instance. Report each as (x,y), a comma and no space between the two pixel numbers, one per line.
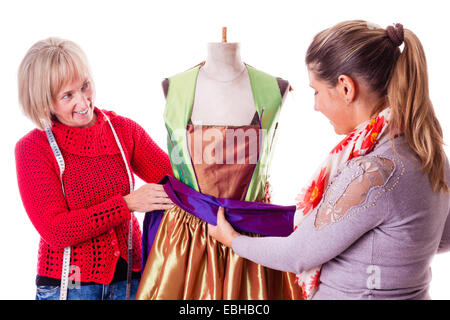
(44,202)
(148,161)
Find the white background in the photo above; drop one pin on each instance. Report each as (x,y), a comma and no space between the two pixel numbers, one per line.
(133,45)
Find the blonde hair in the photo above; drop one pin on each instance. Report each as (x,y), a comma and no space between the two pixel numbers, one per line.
(49,65)
(362,50)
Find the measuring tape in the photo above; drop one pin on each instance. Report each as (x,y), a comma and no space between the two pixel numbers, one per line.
(130,224)
(67,250)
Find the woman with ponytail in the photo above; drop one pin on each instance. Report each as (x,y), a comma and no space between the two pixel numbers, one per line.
(376,211)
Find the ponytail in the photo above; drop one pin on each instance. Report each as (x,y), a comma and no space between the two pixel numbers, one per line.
(413,112)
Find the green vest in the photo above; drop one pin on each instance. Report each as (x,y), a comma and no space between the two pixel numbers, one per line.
(179,103)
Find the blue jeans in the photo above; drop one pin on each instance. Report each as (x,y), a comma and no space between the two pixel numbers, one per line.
(113,291)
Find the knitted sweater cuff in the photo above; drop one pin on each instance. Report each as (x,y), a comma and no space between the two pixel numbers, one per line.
(112,213)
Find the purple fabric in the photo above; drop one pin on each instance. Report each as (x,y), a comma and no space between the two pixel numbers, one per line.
(256,217)
(150,228)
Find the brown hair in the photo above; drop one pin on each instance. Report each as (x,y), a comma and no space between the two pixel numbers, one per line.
(47,66)
(369,53)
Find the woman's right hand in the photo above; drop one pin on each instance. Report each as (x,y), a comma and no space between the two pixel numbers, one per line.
(149,197)
(224,231)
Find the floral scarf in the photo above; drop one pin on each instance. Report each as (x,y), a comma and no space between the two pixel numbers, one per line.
(361,141)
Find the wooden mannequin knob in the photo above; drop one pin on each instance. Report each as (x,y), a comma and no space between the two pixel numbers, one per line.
(224,34)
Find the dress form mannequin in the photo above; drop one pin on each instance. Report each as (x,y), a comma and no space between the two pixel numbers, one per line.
(221,104)
(223,95)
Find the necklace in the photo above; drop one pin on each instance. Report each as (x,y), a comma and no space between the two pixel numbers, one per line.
(225,81)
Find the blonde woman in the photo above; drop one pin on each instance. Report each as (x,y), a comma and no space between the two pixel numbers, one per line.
(376,211)
(75,175)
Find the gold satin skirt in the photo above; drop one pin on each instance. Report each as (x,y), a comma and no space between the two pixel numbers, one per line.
(185,263)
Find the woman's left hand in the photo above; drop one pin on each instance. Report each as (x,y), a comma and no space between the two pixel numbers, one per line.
(223,232)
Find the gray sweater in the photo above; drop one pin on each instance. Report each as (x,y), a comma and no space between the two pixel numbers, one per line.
(375,231)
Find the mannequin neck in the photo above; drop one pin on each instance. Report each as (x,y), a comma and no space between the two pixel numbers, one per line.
(223,62)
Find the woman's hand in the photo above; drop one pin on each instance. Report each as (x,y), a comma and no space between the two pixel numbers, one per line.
(223,232)
(149,197)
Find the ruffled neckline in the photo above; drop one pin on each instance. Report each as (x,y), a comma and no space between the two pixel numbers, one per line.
(94,141)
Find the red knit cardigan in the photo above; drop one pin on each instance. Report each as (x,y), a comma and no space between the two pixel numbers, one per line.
(94,219)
